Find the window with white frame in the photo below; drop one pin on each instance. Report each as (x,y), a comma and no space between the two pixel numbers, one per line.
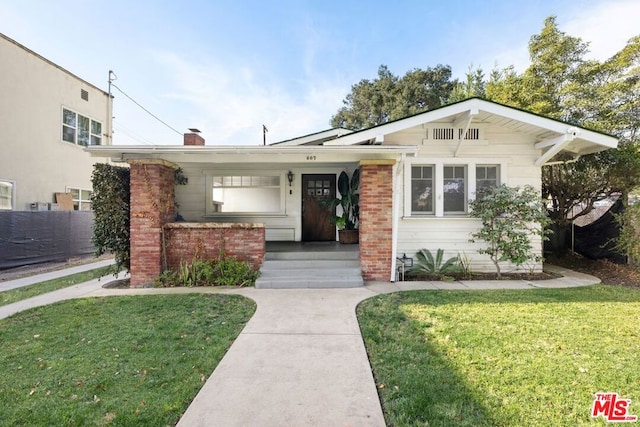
(422,190)
(454,189)
(81,198)
(487,177)
(245,194)
(80,130)
(7,195)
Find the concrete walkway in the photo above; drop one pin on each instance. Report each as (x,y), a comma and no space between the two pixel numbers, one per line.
(56,274)
(300,360)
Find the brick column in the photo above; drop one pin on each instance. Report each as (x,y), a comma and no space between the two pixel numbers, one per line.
(376,215)
(152,206)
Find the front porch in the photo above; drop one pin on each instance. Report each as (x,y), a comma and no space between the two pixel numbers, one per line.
(238,200)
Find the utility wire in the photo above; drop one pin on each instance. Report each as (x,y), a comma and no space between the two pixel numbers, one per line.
(147,111)
(131,134)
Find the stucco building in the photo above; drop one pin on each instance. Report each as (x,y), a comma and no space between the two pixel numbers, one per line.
(47,116)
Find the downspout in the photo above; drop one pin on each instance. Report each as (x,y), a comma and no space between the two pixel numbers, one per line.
(397,187)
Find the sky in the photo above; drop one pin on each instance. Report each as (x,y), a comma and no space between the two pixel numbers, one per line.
(230,67)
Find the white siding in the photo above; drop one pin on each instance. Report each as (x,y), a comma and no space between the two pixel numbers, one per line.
(286,225)
(514,152)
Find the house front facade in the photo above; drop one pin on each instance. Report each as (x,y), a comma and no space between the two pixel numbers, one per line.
(48,116)
(417,176)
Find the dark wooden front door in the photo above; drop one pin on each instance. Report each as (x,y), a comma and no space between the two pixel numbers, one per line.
(315,218)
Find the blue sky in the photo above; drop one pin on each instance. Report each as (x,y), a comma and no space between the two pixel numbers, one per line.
(227,67)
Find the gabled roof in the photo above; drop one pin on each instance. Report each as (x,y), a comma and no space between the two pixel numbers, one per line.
(316,138)
(552,136)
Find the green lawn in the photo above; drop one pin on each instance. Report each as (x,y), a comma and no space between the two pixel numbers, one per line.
(122,361)
(502,358)
(18,294)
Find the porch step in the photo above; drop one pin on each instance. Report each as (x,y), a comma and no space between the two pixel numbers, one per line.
(310,269)
(313,255)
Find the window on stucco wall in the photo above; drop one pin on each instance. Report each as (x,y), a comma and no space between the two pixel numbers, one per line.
(7,195)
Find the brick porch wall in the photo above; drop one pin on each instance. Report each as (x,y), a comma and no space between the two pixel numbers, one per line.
(376,207)
(152,206)
(189,241)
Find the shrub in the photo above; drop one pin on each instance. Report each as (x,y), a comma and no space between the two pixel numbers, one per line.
(224,270)
(110,203)
(510,216)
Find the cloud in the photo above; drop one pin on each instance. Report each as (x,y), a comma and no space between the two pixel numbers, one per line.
(607,26)
(230,103)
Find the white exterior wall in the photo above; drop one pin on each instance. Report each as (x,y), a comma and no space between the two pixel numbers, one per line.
(283,226)
(34,156)
(515,153)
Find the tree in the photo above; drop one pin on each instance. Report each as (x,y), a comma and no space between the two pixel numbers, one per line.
(510,217)
(604,96)
(473,86)
(389,97)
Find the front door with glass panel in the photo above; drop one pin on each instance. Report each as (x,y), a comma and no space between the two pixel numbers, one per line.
(316,225)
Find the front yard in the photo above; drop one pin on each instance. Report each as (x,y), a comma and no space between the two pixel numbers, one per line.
(126,361)
(502,358)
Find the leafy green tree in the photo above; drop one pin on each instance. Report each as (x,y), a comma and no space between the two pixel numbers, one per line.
(510,217)
(473,86)
(605,96)
(389,97)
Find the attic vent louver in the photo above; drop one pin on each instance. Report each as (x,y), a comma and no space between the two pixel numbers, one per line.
(472,133)
(443,133)
(84,94)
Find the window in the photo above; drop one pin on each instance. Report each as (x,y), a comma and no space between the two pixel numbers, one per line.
(487,176)
(248,193)
(7,195)
(81,198)
(422,190)
(80,130)
(454,188)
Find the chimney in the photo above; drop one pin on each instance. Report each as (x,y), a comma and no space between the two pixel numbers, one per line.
(192,138)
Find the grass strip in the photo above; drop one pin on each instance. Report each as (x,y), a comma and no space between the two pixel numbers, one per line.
(125,361)
(502,358)
(18,294)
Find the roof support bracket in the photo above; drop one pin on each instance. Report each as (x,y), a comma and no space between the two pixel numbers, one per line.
(463,122)
(555,145)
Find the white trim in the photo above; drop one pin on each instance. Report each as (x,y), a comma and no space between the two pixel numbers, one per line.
(438,185)
(315,137)
(13,193)
(80,200)
(398,170)
(91,119)
(558,144)
(600,140)
(209,193)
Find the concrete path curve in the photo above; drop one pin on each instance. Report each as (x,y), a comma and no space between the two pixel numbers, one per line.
(300,360)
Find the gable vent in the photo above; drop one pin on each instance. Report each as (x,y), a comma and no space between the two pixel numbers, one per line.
(472,133)
(443,133)
(84,94)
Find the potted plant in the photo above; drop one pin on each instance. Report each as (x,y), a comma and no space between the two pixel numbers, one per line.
(347,223)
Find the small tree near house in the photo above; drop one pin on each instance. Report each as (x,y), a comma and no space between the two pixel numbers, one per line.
(510,217)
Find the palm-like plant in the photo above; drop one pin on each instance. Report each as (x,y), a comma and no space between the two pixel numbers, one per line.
(426,263)
(349,200)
